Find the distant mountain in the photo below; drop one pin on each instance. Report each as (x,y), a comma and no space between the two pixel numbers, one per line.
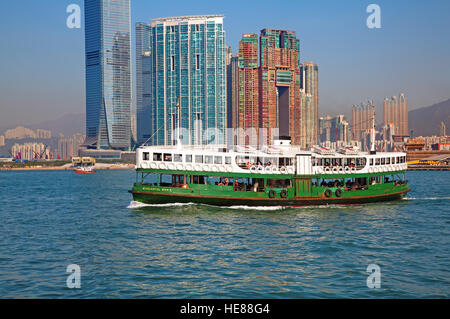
(68,125)
(426,121)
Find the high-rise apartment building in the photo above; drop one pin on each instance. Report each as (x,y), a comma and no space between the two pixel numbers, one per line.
(108,73)
(143,83)
(279,87)
(333,129)
(362,117)
(188,76)
(310,111)
(247,108)
(396,112)
(442,129)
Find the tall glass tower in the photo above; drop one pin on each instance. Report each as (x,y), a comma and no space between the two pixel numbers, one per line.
(189,79)
(108,73)
(143,82)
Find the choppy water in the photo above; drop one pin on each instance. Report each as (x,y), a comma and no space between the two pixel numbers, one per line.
(128,250)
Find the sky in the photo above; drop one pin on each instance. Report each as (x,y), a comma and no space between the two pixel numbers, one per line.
(42,61)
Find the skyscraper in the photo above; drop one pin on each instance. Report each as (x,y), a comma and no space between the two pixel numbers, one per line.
(396,113)
(279,89)
(143,82)
(247,108)
(310,111)
(188,78)
(362,116)
(108,73)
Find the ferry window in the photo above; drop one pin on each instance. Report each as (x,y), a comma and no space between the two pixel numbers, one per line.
(217,159)
(278,183)
(227,160)
(393,160)
(199,158)
(198,179)
(188,158)
(178,157)
(377,161)
(208,159)
(165,180)
(285,161)
(157,156)
(398,160)
(313,161)
(146,156)
(388,160)
(371,162)
(382,161)
(167,157)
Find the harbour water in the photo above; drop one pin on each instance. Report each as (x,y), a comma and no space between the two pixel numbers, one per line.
(51,219)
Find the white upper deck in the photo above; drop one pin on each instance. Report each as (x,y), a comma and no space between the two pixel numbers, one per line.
(271,159)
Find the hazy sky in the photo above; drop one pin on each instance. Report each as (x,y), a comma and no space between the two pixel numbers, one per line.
(42,61)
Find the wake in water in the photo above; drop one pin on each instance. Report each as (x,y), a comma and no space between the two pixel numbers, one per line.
(137,205)
(426,198)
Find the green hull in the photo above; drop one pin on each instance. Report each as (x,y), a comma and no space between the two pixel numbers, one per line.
(159,198)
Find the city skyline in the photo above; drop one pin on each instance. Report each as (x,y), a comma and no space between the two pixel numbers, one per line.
(65,74)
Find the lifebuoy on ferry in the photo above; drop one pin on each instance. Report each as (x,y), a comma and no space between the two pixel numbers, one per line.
(327,170)
(188,167)
(284,193)
(260,169)
(222,168)
(268,169)
(272,193)
(162,166)
(253,168)
(153,165)
(170,166)
(290,170)
(338,192)
(335,169)
(353,169)
(328,192)
(341,169)
(229,169)
(370,169)
(283,169)
(347,170)
(274,169)
(179,167)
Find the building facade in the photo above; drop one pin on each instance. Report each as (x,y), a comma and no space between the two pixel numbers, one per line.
(279,87)
(29,151)
(395,111)
(362,117)
(188,79)
(247,101)
(143,83)
(108,73)
(310,109)
(333,129)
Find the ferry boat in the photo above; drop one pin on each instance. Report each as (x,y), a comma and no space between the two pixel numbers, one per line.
(276,175)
